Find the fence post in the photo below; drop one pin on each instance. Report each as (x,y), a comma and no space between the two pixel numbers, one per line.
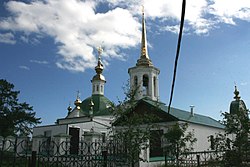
(33,159)
(1,152)
(104,154)
(166,163)
(198,160)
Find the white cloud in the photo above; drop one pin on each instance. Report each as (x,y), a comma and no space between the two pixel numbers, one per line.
(31,40)
(77,28)
(7,38)
(174,29)
(24,67)
(244,83)
(227,11)
(201,16)
(39,62)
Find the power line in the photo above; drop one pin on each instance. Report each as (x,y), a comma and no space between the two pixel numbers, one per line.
(177,52)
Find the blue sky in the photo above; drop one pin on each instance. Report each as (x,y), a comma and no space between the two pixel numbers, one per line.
(47,50)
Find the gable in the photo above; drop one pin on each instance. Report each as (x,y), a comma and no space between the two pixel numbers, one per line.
(144,108)
(145,113)
(185,115)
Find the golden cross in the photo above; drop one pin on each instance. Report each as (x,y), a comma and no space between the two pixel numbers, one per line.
(100,50)
(142,9)
(78,94)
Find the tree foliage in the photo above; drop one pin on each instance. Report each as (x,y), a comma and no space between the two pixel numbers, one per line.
(132,129)
(178,141)
(15,118)
(235,142)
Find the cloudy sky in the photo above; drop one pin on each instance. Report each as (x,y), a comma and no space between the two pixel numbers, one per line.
(48,50)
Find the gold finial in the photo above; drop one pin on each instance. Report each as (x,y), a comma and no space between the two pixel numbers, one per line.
(142,9)
(69,107)
(236,92)
(91,105)
(78,101)
(99,67)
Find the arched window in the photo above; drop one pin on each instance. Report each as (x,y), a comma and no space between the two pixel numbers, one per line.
(97,88)
(145,83)
(101,88)
(135,81)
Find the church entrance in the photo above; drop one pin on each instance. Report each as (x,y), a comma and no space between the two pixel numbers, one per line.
(74,140)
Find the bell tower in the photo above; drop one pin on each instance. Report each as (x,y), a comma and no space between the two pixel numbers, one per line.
(144,76)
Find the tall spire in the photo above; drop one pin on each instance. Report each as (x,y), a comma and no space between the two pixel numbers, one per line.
(144,59)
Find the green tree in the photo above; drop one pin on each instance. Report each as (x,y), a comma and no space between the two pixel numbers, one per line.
(132,129)
(178,141)
(235,142)
(15,118)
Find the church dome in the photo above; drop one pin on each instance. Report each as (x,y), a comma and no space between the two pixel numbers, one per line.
(101,105)
(98,77)
(237,105)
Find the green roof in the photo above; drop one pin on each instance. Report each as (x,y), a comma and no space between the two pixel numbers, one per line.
(100,108)
(186,115)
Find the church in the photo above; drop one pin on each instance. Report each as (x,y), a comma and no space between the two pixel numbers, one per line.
(90,119)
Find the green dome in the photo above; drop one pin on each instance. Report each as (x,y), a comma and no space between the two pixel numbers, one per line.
(237,106)
(101,105)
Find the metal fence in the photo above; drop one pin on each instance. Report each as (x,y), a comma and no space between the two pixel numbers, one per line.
(16,152)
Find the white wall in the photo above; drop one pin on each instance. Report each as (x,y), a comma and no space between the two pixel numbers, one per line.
(55,129)
(86,126)
(202,134)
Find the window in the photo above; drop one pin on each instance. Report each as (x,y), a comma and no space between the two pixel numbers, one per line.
(145,81)
(101,88)
(135,81)
(97,88)
(212,142)
(103,137)
(156,149)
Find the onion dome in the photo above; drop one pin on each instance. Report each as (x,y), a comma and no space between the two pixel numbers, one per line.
(237,105)
(78,101)
(99,68)
(99,103)
(69,109)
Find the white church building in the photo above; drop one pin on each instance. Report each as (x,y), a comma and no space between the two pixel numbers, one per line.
(91,118)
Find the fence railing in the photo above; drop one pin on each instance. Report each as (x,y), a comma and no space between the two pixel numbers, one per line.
(18,152)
